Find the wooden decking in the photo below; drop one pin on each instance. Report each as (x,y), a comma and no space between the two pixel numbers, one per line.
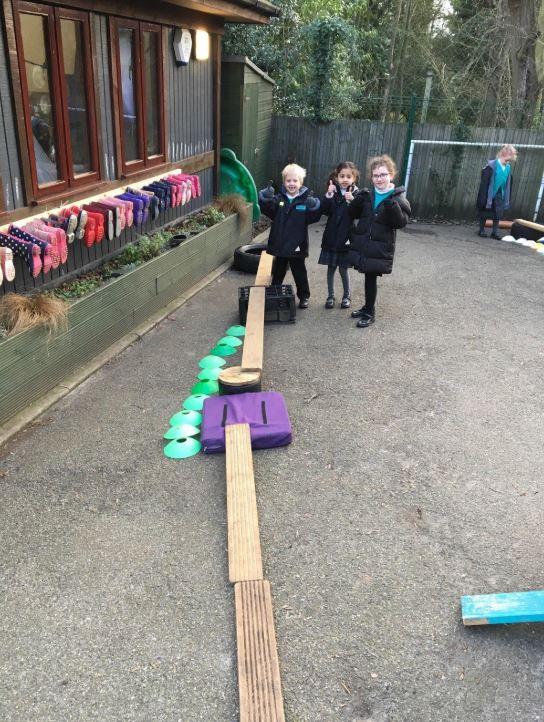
(244,544)
(259,681)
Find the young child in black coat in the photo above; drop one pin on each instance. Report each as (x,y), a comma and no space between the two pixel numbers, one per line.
(341,190)
(291,210)
(380,210)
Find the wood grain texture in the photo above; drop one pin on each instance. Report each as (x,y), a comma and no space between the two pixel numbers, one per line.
(244,546)
(264,271)
(259,682)
(252,358)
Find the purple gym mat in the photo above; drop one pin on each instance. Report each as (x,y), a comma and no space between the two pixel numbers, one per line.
(264,411)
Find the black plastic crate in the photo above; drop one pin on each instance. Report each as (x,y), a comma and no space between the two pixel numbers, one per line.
(279,304)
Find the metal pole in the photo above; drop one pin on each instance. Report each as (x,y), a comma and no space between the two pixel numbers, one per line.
(540,191)
(409,165)
(409,134)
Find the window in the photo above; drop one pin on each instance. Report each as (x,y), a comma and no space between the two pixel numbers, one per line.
(138,48)
(54,51)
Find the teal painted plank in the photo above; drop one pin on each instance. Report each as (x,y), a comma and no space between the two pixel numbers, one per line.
(504,608)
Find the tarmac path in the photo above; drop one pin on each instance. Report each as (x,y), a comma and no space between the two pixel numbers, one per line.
(414,476)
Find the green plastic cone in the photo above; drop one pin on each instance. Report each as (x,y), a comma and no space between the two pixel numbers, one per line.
(186,417)
(236,331)
(182,448)
(206,387)
(195,402)
(233,341)
(209,374)
(211,362)
(223,350)
(181,431)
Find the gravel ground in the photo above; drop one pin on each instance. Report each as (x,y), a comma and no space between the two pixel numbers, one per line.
(414,476)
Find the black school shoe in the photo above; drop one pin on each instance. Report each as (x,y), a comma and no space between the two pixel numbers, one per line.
(482,234)
(303,303)
(329,303)
(365,320)
(346,302)
(496,236)
(358,313)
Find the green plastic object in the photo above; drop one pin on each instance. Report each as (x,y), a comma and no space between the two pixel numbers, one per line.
(234,177)
(187,416)
(181,431)
(195,402)
(222,349)
(209,374)
(236,331)
(233,341)
(211,362)
(206,387)
(182,448)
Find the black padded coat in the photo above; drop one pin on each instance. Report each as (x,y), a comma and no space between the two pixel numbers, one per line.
(290,221)
(339,222)
(372,245)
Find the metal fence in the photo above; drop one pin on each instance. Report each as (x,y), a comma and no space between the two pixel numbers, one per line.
(444,177)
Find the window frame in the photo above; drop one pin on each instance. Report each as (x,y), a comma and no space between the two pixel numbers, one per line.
(68,180)
(144,161)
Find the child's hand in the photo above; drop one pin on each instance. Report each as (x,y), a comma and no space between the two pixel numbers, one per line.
(331,189)
(349,194)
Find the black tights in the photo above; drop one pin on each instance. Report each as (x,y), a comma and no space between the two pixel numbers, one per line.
(371,291)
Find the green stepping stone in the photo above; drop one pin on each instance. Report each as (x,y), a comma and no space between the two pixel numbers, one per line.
(182,448)
(209,374)
(223,350)
(236,331)
(211,362)
(181,431)
(233,341)
(187,416)
(206,387)
(195,402)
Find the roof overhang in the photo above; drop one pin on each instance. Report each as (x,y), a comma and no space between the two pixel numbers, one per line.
(232,11)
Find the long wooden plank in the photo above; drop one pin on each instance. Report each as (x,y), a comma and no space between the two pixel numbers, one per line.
(264,271)
(504,608)
(252,358)
(244,545)
(259,682)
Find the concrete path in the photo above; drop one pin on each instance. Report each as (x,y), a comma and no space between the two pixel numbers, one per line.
(415,476)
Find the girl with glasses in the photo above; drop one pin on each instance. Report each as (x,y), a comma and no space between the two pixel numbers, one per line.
(381,210)
(335,244)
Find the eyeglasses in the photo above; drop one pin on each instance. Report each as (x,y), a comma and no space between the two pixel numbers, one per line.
(380,175)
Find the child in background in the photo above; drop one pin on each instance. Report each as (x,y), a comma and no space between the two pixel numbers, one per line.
(335,244)
(495,190)
(291,211)
(381,211)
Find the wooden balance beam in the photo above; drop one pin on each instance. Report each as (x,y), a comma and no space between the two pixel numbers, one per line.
(264,271)
(259,682)
(252,356)
(244,546)
(506,608)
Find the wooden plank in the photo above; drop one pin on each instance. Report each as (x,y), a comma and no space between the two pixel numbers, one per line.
(252,358)
(264,271)
(504,608)
(259,682)
(244,546)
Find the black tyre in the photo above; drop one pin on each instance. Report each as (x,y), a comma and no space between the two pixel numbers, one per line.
(246,258)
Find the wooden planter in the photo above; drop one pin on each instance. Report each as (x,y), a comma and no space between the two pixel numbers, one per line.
(35,361)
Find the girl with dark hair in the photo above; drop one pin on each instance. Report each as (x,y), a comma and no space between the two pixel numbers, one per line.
(341,190)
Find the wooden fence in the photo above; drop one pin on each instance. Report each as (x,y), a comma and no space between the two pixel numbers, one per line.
(443,180)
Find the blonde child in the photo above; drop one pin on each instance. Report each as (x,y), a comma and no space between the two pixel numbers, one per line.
(291,211)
